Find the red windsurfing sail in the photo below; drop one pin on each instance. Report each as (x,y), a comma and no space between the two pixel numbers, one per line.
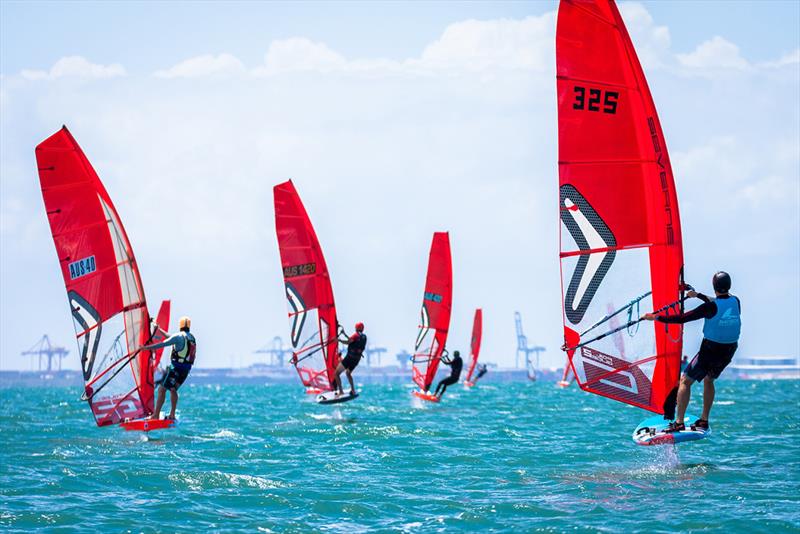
(102,280)
(435,314)
(620,235)
(475,344)
(312,312)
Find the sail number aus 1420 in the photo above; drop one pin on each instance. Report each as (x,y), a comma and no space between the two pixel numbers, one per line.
(595,99)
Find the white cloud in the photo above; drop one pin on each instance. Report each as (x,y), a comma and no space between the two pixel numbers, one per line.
(468,46)
(714,55)
(75,67)
(204,66)
(789,59)
(299,54)
(742,174)
(652,42)
(493,44)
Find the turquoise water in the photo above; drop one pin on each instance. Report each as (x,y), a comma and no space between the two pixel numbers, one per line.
(501,456)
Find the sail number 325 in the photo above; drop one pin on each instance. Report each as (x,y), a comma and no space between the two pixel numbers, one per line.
(595,100)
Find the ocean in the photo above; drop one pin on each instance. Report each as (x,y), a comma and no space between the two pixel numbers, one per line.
(499,457)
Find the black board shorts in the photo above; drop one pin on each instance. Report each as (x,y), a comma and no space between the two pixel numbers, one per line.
(175,377)
(711,360)
(351,361)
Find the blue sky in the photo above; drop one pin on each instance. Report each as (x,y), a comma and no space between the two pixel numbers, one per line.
(371,107)
(146,35)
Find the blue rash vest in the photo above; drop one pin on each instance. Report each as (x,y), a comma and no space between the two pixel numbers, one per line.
(726,325)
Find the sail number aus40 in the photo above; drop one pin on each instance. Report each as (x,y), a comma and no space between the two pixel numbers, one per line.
(595,99)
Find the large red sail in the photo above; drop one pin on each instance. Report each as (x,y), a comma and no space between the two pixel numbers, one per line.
(312,312)
(102,280)
(621,247)
(435,314)
(475,343)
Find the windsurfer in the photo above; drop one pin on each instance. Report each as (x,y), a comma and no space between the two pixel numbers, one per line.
(456,363)
(355,351)
(720,339)
(184,347)
(481,371)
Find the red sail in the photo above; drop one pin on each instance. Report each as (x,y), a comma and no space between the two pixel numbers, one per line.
(475,345)
(435,314)
(102,281)
(312,312)
(621,247)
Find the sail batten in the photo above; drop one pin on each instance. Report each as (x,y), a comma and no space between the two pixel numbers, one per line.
(620,243)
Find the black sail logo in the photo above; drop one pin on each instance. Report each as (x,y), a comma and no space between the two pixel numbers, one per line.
(91,327)
(424,327)
(591,234)
(298,313)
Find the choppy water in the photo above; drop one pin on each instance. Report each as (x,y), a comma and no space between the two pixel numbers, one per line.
(501,456)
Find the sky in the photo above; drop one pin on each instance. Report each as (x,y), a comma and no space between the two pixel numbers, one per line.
(395,120)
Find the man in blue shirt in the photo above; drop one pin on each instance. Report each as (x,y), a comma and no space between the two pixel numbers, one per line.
(721,331)
(184,347)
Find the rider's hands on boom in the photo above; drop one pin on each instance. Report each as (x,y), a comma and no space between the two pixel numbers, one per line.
(652,316)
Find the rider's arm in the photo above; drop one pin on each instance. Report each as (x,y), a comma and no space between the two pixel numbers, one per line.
(705,311)
(173,340)
(348,340)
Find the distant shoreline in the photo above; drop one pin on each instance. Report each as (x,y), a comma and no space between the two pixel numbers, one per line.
(266,374)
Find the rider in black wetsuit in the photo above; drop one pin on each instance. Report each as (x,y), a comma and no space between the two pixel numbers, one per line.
(481,371)
(355,350)
(455,371)
(720,339)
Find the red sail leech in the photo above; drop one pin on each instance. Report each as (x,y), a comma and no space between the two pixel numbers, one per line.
(435,313)
(102,280)
(621,246)
(475,345)
(312,311)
